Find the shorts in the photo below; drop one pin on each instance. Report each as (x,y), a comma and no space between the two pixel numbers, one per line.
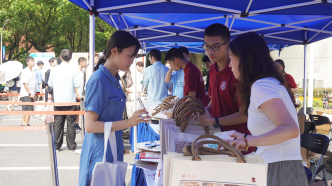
(27,107)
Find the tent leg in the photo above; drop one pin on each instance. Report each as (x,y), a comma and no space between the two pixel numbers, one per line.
(92,41)
(305,81)
(311,75)
(135,105)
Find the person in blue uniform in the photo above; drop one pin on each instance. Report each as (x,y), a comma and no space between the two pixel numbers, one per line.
(105,102)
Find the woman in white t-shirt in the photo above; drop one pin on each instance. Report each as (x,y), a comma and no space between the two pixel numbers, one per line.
(272,118)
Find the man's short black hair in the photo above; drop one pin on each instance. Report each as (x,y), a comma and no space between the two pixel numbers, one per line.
(206,59)
(81,59)
(218,29)
(174,53)
(40,63)
(184,50)
(51,60)
(59,60)
(66,54)
(155,53)
(28,59)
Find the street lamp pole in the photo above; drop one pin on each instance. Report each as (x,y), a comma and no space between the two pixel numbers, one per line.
(7,21)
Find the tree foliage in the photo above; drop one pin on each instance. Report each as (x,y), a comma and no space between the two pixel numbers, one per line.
(48,24)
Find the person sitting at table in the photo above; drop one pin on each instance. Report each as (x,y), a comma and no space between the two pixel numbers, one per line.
(270,107)
(290,82)
(105,102)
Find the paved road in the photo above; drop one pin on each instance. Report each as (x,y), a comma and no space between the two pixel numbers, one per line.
(25,158)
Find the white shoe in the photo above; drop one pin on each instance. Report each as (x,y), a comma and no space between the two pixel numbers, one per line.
(16,105)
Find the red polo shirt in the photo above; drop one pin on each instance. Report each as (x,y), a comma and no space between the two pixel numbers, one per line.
(194,82)
(290,82)
(222,91)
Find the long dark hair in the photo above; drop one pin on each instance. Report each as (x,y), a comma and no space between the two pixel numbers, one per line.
(255,63)
(120,39)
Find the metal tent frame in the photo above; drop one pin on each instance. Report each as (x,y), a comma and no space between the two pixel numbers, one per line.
(164,24)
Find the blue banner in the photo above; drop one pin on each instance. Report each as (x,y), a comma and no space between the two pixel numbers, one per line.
(3,54)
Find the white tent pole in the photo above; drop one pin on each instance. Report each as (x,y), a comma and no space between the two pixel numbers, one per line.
(135,104)
(311,75)
(285,7)
(248,6)
(130,5)
(275,37)
(92,37)
(87,4)
(147,38)
(143,28)
(304,75)
(281,32)
(230,27)
(207,6)
(254,30)
(116,26)
(226,22)
(319,32)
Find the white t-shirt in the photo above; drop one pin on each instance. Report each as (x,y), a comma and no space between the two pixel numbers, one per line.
(81,80)
(28,77)
(259,123)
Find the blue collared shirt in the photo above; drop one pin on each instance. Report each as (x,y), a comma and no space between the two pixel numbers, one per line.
(154,79)
(39,79)
(64,79)
(178,83)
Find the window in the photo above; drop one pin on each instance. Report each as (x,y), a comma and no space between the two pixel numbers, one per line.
(319,84)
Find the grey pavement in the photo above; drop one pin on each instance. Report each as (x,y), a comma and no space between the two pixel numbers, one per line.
(25,158)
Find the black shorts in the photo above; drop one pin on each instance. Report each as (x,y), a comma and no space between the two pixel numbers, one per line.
(27,107)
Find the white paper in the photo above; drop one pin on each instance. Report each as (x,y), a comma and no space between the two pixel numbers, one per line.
(145,164)
(159,174)
(149,177)
(155,128)
(159,116)
(210,173)
(154,149)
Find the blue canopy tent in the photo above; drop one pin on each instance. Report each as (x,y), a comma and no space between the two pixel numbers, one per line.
(164,24)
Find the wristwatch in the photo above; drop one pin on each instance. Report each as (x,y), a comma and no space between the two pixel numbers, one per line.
(216,124)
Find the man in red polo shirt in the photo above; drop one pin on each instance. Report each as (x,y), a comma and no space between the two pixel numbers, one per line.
(224,111)
(193,79)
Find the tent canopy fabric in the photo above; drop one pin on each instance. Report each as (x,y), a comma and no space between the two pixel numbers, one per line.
(165,24)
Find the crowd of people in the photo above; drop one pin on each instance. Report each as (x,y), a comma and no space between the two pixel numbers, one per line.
(246,91)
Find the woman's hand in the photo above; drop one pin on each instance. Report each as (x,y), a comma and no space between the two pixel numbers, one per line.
(238,144)
(136,118)
(237,135)
(206,119)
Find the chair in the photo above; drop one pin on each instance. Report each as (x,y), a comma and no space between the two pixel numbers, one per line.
(309,111)
(321,120)
(309,127)
(316,143)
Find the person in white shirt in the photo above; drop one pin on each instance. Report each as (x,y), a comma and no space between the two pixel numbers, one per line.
(270,107)
(65,82)
(82,63)
(139,76)
(28,90)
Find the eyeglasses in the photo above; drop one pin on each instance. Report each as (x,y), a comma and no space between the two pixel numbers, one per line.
(214,47)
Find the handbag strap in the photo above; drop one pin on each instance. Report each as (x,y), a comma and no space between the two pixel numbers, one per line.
(222,143)
(110,136)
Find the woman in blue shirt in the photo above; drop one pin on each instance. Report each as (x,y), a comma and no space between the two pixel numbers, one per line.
(105,101)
